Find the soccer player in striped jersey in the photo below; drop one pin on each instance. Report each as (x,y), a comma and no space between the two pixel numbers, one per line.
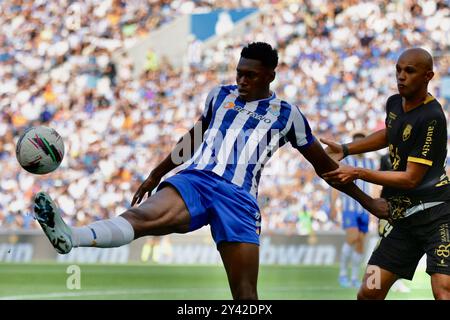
(355,222)
(223,156)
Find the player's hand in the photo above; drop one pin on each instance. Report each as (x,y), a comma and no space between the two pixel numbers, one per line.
(342,175)
(333,149)
(146,187)
(379,208)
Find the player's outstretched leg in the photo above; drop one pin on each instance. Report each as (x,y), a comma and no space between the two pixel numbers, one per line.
(49,217)
(163,213)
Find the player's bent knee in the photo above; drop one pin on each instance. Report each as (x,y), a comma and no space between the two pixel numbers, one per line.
(362,295)
(366,293)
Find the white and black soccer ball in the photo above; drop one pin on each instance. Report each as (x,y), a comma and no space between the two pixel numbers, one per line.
(40,150)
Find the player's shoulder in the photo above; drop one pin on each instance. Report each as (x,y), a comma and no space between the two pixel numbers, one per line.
(217,90)
(432,110)
(222,88)
(227,88)
(434,105)
(283,109)
(287,104)
(395,99)
(291,110)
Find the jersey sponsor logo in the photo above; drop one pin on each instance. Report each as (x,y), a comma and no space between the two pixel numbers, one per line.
(407,132)
(232,105)
(229,105)
(428,139)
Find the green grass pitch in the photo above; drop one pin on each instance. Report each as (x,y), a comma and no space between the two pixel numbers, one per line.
(168,282)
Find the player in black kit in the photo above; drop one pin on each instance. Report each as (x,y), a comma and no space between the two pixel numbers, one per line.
(417,186)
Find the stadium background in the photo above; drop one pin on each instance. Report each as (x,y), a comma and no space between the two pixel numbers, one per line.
(121,81)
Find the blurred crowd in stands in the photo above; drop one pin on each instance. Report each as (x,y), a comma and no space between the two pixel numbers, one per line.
(57,68)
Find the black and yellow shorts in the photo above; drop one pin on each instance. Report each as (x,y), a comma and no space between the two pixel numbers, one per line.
(405,242)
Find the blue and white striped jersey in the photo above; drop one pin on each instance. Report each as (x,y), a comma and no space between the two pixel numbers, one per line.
(242,136)
(348,203)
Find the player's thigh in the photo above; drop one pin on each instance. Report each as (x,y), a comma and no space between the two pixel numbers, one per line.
(351,235)
(399,250)
(163,210)
(241,261)
(376,283)
(440,283)
(359,245)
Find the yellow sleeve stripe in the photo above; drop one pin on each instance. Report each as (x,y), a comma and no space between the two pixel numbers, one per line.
(419,160)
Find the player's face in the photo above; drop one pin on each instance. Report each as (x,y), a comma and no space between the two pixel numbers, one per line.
(412,76)
(253,79)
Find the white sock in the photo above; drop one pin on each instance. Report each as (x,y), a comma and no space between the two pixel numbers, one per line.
(346,253)
(109,233)
(356,264)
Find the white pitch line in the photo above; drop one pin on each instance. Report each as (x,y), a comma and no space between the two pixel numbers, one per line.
(81,293)
(58,295)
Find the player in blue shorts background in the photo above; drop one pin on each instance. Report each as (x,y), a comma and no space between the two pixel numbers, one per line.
(222,158)
(355,222)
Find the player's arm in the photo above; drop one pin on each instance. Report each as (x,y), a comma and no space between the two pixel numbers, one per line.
(408,179)
(375,141)
(322,163)
(420,158)
(183,150)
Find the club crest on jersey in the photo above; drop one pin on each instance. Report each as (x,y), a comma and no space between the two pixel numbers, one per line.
(275,110)
(407,132)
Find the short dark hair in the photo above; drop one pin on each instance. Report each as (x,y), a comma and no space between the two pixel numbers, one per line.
(263,52)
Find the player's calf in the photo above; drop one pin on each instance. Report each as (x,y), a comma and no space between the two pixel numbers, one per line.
(440,283)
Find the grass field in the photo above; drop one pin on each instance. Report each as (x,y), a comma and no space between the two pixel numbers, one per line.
(48,281)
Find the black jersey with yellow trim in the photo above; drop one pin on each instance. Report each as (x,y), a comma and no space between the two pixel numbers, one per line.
(419,135)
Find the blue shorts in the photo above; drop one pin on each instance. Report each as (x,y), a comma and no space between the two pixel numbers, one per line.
(231,211)
(352,219)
